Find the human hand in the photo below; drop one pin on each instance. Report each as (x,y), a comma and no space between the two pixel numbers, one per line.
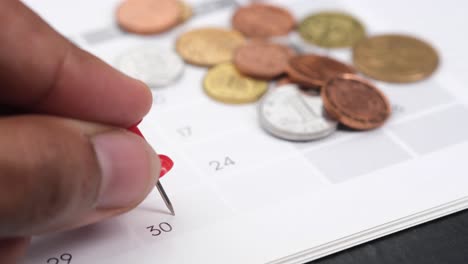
(66,160)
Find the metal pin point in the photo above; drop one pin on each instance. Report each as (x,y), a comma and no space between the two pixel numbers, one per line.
(165,198)
(166,165)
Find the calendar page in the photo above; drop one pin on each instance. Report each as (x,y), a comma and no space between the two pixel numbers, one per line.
(242,195)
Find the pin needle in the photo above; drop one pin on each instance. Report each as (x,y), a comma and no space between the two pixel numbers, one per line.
(166,165)
(165,198)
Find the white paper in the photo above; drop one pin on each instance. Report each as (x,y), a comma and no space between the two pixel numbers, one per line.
(273,201)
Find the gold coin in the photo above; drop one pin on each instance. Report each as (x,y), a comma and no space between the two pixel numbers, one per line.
(209,46)
(331,30)
(225,84)
(186,11)
(395,58)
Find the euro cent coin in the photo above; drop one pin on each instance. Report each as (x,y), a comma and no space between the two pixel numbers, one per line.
(331,30)
(288,113)
(313,71)
(355,102)
(262,60)
(209,46)
(263,21)
(395,58)
(148,16)
(155,66)
(225,84)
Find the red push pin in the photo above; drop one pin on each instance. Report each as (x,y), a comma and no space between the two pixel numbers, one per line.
(166,166)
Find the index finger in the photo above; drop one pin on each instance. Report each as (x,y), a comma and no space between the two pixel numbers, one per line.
(43,72)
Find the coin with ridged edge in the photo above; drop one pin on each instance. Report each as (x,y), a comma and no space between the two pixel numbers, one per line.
(153,65)
(355,102)
(288,113)
(331,30)
(209,46)
(313,71)
(225,84)
(395,58)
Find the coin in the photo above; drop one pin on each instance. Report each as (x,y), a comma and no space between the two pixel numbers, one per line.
(186,11)
(355,102)
(262,60)
(225,84)
(209,46)
(395,58)
(331,30)
(148,16)
(263,21)
(313,71)
(155,66)
(290,114)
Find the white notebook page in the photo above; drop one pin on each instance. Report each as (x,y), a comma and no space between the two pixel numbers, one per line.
(243,196)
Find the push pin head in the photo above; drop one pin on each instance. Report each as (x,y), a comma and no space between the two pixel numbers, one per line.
(166,164)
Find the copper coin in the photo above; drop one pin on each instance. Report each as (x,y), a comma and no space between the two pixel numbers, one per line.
(355,102)
(263,21)
(286,80)
(313,71)
(262,60)
(148,16)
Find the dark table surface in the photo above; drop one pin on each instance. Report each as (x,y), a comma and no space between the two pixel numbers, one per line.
(443,241)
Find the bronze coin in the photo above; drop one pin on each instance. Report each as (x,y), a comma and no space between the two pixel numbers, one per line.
(263,60)
(263,21)
(148,16)
(186,11)
(395,58)
(355,102)
(331,30)
(313,71)
(226,84)
(209,46)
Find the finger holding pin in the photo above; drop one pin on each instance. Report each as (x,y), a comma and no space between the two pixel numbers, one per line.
(166,166)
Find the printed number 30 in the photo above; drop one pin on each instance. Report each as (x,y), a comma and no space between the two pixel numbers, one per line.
(163,227)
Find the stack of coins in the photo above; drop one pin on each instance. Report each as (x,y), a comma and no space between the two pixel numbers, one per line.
(304,96)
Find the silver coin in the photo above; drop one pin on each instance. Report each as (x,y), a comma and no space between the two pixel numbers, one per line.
(153,65)
(289,113)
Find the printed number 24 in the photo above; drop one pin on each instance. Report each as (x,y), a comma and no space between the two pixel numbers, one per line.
(221,165)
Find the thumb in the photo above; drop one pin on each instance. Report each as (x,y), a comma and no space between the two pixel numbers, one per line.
(57,173)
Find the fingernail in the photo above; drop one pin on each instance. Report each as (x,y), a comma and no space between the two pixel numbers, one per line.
(129,169)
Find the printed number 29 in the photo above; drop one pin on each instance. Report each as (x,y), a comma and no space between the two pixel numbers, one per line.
(221,165)
(64,258)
